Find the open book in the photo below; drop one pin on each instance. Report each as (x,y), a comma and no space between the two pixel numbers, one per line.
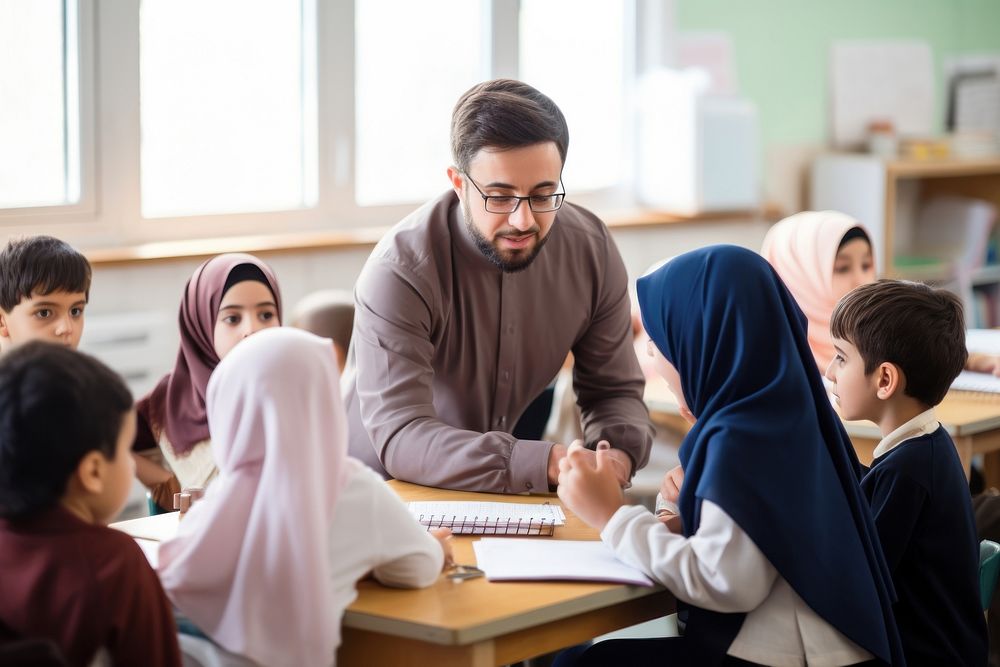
(555,560)
(475,518)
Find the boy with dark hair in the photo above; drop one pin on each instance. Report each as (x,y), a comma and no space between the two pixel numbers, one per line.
(899,345)
(44,288)
(66,429)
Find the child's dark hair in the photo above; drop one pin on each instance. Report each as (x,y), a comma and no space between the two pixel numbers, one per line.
(56,405)
(919,328)
(40,265)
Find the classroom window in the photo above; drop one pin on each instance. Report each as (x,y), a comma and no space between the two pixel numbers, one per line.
(408,80)
(413,61)
(39,103)
(228,106)
(574,52)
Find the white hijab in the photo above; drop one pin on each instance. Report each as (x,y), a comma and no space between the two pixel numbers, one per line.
(250,565)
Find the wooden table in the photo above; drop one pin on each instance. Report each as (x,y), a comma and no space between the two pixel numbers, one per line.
(476,622)
(972,420)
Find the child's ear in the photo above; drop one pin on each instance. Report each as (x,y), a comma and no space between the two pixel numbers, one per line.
(888,380)
(90,472)
(3,324)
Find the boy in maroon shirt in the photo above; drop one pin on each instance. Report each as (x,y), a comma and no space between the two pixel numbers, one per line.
(66,428)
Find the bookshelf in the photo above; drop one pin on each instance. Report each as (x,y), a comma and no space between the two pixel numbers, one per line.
(886,196)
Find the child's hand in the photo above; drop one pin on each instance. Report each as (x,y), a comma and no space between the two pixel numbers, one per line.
(589,486)
(984,363)
(670,488)
(443,536)
(672,522)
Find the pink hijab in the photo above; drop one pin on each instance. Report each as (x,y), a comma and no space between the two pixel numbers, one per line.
(250,564)
(803,249)
(177,403)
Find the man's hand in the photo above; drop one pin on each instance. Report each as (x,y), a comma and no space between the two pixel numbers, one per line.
(589,486)
(619,460)
(670,488)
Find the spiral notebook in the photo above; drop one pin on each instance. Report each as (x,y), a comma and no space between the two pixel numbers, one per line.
(475,518)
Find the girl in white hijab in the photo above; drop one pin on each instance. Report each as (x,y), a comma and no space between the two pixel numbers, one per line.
(267,561)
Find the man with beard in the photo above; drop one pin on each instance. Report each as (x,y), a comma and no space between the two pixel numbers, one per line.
(466,310)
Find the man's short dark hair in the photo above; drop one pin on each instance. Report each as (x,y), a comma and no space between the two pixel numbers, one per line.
(504,113)
(919,328)
(40,265)
(56,406)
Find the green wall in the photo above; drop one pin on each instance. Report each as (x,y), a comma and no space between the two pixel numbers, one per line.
(781,47)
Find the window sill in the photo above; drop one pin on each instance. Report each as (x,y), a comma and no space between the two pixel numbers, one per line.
(367,237)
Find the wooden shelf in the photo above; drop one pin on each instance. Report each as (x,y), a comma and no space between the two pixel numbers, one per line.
(943,167)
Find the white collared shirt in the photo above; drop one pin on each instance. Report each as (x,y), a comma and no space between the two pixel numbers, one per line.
(719,568)
(923,424)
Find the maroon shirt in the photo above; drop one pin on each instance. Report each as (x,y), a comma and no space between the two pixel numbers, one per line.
(85,587)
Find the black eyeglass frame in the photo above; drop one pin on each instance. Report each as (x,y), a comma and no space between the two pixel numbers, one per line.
(486,199)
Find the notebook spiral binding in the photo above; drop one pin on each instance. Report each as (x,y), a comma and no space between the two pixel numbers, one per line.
(461,525)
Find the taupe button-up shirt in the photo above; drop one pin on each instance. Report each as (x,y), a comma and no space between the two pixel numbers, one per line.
(448,351)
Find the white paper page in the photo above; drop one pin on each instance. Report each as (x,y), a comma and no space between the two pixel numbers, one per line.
(881,80)
(158,528)
(984,341)
(516,559)
(969,381)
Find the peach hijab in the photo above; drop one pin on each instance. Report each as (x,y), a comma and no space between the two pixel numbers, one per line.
(803,248)
(250,565)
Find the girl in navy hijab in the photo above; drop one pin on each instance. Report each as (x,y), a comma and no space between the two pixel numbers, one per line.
(779,562)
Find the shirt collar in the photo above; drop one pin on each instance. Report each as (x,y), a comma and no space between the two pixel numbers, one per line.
(922,424)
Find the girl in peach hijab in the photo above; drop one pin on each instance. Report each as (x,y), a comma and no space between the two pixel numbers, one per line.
(820,256)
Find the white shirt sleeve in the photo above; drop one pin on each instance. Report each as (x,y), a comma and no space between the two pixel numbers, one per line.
(406,555)
(719,568)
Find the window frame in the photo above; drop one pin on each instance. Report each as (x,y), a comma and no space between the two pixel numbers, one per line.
(109,213)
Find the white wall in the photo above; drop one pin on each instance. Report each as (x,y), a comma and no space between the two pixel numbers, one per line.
(156,286)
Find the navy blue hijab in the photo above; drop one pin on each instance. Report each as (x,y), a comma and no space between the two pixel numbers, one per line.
(767,447)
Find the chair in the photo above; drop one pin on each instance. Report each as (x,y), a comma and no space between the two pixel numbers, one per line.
(989,570)
(153,507)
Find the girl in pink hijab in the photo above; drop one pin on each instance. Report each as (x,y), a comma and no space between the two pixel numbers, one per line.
(228,298)
(820,256)
(267,561)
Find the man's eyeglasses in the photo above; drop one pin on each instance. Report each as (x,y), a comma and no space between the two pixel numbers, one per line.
(509,203)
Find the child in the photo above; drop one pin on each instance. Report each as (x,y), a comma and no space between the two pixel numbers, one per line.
(267,561)
(228,298)
(899,346)
(66,424)
(779,561)
(821,256)
(328,314)
(44,288)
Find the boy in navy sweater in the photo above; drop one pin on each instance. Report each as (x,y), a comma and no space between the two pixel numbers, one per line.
(899,345)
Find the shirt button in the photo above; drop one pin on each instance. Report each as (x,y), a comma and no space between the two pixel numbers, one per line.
(506,375)
(528,485)
(510,328)
(502,421)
